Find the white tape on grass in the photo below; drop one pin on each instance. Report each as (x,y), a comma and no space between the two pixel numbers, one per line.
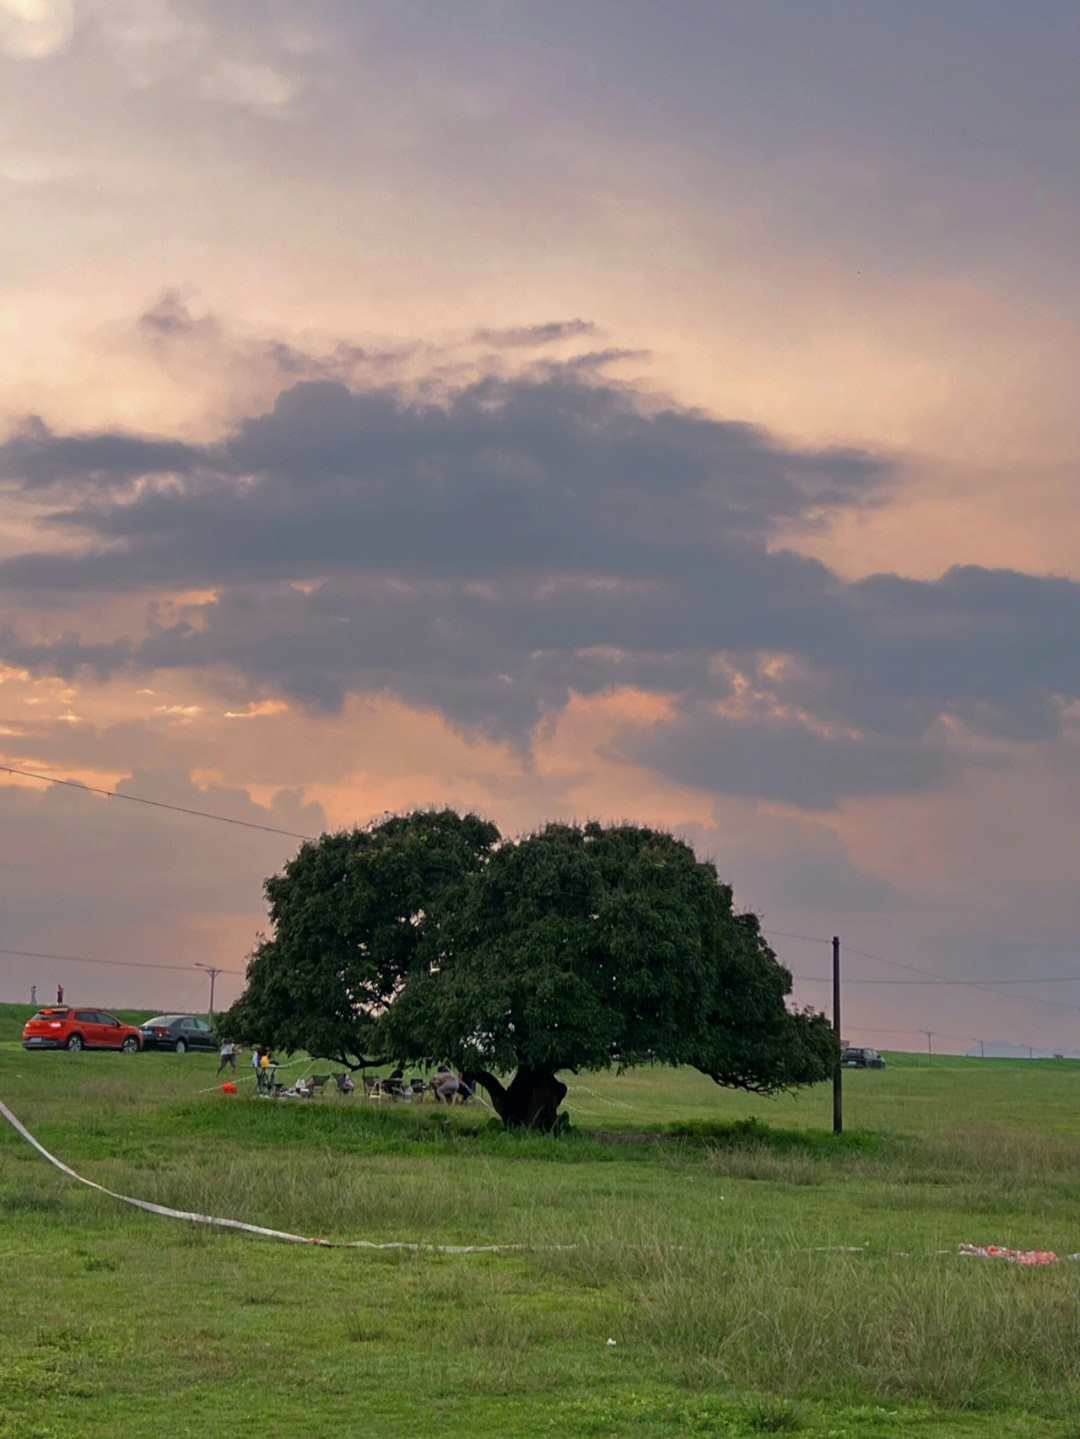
(237,1224)
(1023,1257)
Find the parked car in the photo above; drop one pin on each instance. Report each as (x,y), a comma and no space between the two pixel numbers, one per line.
(862,1059)
(65,1027)
(178,1032)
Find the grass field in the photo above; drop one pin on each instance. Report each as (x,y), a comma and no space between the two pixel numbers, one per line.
(686,1261)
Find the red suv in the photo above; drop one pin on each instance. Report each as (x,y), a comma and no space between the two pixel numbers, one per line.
(62,1027)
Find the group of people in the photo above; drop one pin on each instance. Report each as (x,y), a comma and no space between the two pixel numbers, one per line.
(445,1085)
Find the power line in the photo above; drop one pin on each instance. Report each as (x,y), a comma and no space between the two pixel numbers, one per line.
(808,938)
(986,985)
(870,1029)
(930,977)
(961,983)
(118,963)
(155,803)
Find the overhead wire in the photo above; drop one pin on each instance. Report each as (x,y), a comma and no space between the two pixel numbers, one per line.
(82,959)
(927,977)
(156,803)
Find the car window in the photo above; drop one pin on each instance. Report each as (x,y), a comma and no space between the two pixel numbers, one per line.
(109,1019)
(202,1026)
(85,1016)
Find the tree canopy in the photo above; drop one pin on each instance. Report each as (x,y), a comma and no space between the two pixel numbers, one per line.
(347,914)
(575,948)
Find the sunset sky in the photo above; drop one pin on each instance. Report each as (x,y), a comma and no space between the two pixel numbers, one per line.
(594,410)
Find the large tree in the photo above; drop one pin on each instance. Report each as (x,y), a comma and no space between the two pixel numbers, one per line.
(580,948)
(348,913)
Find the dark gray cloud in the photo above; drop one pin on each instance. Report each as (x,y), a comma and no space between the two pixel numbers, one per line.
(66,655)
(522,336)
(169,319)
(35,459)
(535,476)
(777,758)
(168,333)
(491,552)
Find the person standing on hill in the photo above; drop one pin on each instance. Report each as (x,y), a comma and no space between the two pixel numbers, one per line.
(59,994)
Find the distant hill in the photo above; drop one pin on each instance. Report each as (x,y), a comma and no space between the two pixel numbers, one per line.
(1000,1049)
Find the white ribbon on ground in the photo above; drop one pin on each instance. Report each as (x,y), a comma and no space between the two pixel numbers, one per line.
(1030,1257)
(237,1224)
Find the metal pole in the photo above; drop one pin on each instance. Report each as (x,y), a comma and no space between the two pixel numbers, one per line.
(837,1089)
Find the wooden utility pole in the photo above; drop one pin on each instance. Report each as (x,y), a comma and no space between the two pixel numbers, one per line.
(837,1083)
(213,973)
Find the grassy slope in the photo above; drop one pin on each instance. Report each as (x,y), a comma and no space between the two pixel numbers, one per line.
(773,1280)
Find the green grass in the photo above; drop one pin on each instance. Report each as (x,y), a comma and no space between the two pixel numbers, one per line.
(756,1273)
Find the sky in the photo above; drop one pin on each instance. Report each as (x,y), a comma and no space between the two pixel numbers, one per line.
(558,412)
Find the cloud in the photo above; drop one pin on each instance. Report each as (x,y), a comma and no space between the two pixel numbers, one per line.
(169,319)
(781,758)
(533,476)
(492,550)
(33,29)
(518,336)
(36,459)
(66,655)
(263,89)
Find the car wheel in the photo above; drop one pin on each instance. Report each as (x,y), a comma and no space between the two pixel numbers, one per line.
(130,1045)
(181,1047)
(75,1043)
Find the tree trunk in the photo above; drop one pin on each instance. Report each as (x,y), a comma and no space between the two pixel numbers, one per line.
(530,1101)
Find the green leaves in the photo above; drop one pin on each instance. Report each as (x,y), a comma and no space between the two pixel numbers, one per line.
(578,948)
(427,939)
(349,912)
